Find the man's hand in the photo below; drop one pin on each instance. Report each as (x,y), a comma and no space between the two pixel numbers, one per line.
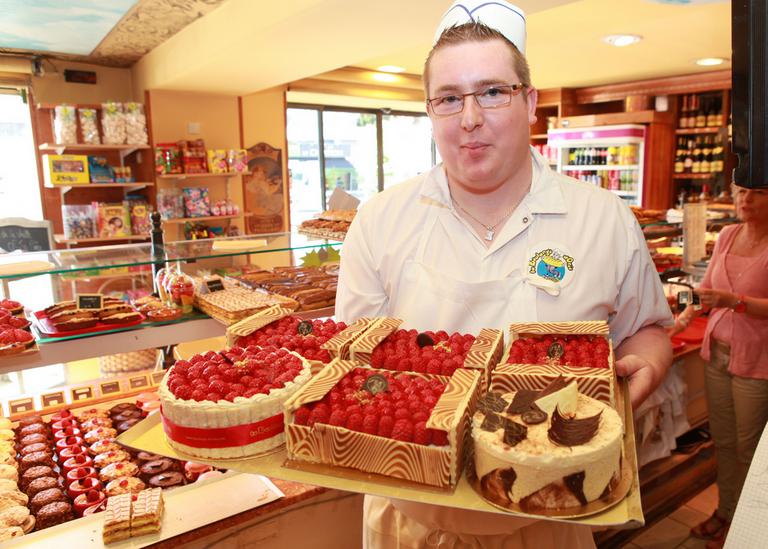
(641,375)
(713,299)
(644,359)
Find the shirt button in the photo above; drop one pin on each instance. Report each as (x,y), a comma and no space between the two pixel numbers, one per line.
(525,220)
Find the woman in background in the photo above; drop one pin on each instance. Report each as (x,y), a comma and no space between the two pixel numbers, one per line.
(735,288)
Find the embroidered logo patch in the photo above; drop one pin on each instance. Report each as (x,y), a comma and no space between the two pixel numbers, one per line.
(551,263)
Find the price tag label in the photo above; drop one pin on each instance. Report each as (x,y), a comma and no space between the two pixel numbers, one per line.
(81,393)
(157,377)
(52,399)
(90,301)
(110,388)
(21,405)
(138,382)
(214,285)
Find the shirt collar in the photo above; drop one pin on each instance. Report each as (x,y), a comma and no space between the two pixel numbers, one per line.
(545,196)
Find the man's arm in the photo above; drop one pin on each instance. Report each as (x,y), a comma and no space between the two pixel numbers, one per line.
(644,358)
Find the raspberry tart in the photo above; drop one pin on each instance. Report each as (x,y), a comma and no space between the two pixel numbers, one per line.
(15,340)
(405,425)
(230,404)
(13,307)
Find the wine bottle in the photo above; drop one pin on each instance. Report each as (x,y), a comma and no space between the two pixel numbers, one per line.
(680,155)
(706,155)
(696,166)
(701,118)
(688,159)
(683,120)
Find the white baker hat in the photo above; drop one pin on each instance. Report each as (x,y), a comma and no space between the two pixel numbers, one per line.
(502,16)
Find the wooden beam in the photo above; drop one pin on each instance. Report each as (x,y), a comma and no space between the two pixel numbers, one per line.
(692,83)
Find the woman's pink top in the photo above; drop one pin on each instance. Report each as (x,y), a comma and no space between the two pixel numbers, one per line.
(747,335)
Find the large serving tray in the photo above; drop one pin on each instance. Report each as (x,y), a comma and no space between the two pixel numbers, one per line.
(148,435)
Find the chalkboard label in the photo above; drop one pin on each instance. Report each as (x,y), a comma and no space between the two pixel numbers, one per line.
(215,285)
(21,405)
(89,301)
(157,377)
(138,382)
(26,239)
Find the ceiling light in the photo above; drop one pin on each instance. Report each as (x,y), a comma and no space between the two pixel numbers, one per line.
(384,77)
(390,68)
(621,40)
(710,61)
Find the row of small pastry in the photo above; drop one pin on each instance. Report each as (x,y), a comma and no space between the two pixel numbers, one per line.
(15,519)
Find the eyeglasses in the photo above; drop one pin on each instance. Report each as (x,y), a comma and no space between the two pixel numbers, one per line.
(491,97)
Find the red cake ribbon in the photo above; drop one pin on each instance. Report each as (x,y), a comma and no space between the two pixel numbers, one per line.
(224,437)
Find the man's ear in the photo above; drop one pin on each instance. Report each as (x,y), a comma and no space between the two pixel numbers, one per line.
(533,99)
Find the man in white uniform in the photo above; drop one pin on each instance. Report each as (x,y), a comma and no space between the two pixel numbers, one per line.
(493,236)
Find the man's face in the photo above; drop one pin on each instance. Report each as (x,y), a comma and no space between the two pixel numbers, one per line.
(481,148)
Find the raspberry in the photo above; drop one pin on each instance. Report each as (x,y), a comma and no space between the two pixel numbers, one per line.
(198,395)
(231,396)
(320,414)
(386,424)
(370,424)
(184,392)
(355,422)
(238,388)
(301,417)
(403,430)
(421,415)
(439,438)
(213,397)
(338,418)
(218,387)
(421,435)
(402,413)
(250,392)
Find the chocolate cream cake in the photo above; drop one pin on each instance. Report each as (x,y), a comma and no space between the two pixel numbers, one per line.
(546,450)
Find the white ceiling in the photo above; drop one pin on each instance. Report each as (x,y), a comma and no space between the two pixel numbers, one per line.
(249,45)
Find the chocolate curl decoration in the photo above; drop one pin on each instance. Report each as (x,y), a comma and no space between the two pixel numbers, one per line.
(491,402)
(566,431)
(522,401)
(514,432)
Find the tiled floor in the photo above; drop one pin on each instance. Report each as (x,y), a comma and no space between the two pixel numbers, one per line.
(673,532)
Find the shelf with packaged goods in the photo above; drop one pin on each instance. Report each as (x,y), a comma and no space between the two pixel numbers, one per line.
(60,239)
(695,175)
(133,186)
(179,220)
(538,136)
(180,176)
(61,148)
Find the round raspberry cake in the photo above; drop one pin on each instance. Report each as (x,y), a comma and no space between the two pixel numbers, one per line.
(589,351)
(230,404)
(306,337)
(532,455)
(428,352)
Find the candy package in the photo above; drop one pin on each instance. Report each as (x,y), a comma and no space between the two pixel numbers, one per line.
(168,159)
(79,221)
(140,222)
(237,160)
(217,161)
(89,126)
(113,219)
(135,124)
(196,202)
(170,203)
(113,123)
(194,156)
(64,124)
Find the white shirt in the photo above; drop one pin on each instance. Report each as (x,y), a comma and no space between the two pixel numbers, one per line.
(612,276)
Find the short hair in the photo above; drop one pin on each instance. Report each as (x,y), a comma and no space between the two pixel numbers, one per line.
(476,31)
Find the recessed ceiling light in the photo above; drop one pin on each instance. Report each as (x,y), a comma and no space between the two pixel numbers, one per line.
(384,77)
(710,61)
(390,68)
(621,40)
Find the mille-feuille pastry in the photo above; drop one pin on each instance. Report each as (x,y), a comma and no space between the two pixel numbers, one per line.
(147,512)
(117,518)
(315,299)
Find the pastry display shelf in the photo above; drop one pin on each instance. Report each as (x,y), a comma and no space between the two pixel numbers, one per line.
(128,255)
(134,186)
(133,338)
(180,176)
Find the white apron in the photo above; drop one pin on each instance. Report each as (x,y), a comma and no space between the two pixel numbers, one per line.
(430,300)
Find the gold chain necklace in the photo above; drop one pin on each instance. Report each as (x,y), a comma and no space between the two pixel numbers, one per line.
(490,230)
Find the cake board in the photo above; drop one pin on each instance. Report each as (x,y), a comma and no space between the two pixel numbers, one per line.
(148,436)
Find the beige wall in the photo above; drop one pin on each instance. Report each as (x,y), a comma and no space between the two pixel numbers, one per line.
(218,117)
(112,84)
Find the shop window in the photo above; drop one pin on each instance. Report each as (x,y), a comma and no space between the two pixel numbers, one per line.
(19,184)
(360,151)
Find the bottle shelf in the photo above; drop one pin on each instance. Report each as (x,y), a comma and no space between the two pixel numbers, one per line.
(710,175)
(577,167)
(178,220)
(539,136)
(695,131)
(200,175)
